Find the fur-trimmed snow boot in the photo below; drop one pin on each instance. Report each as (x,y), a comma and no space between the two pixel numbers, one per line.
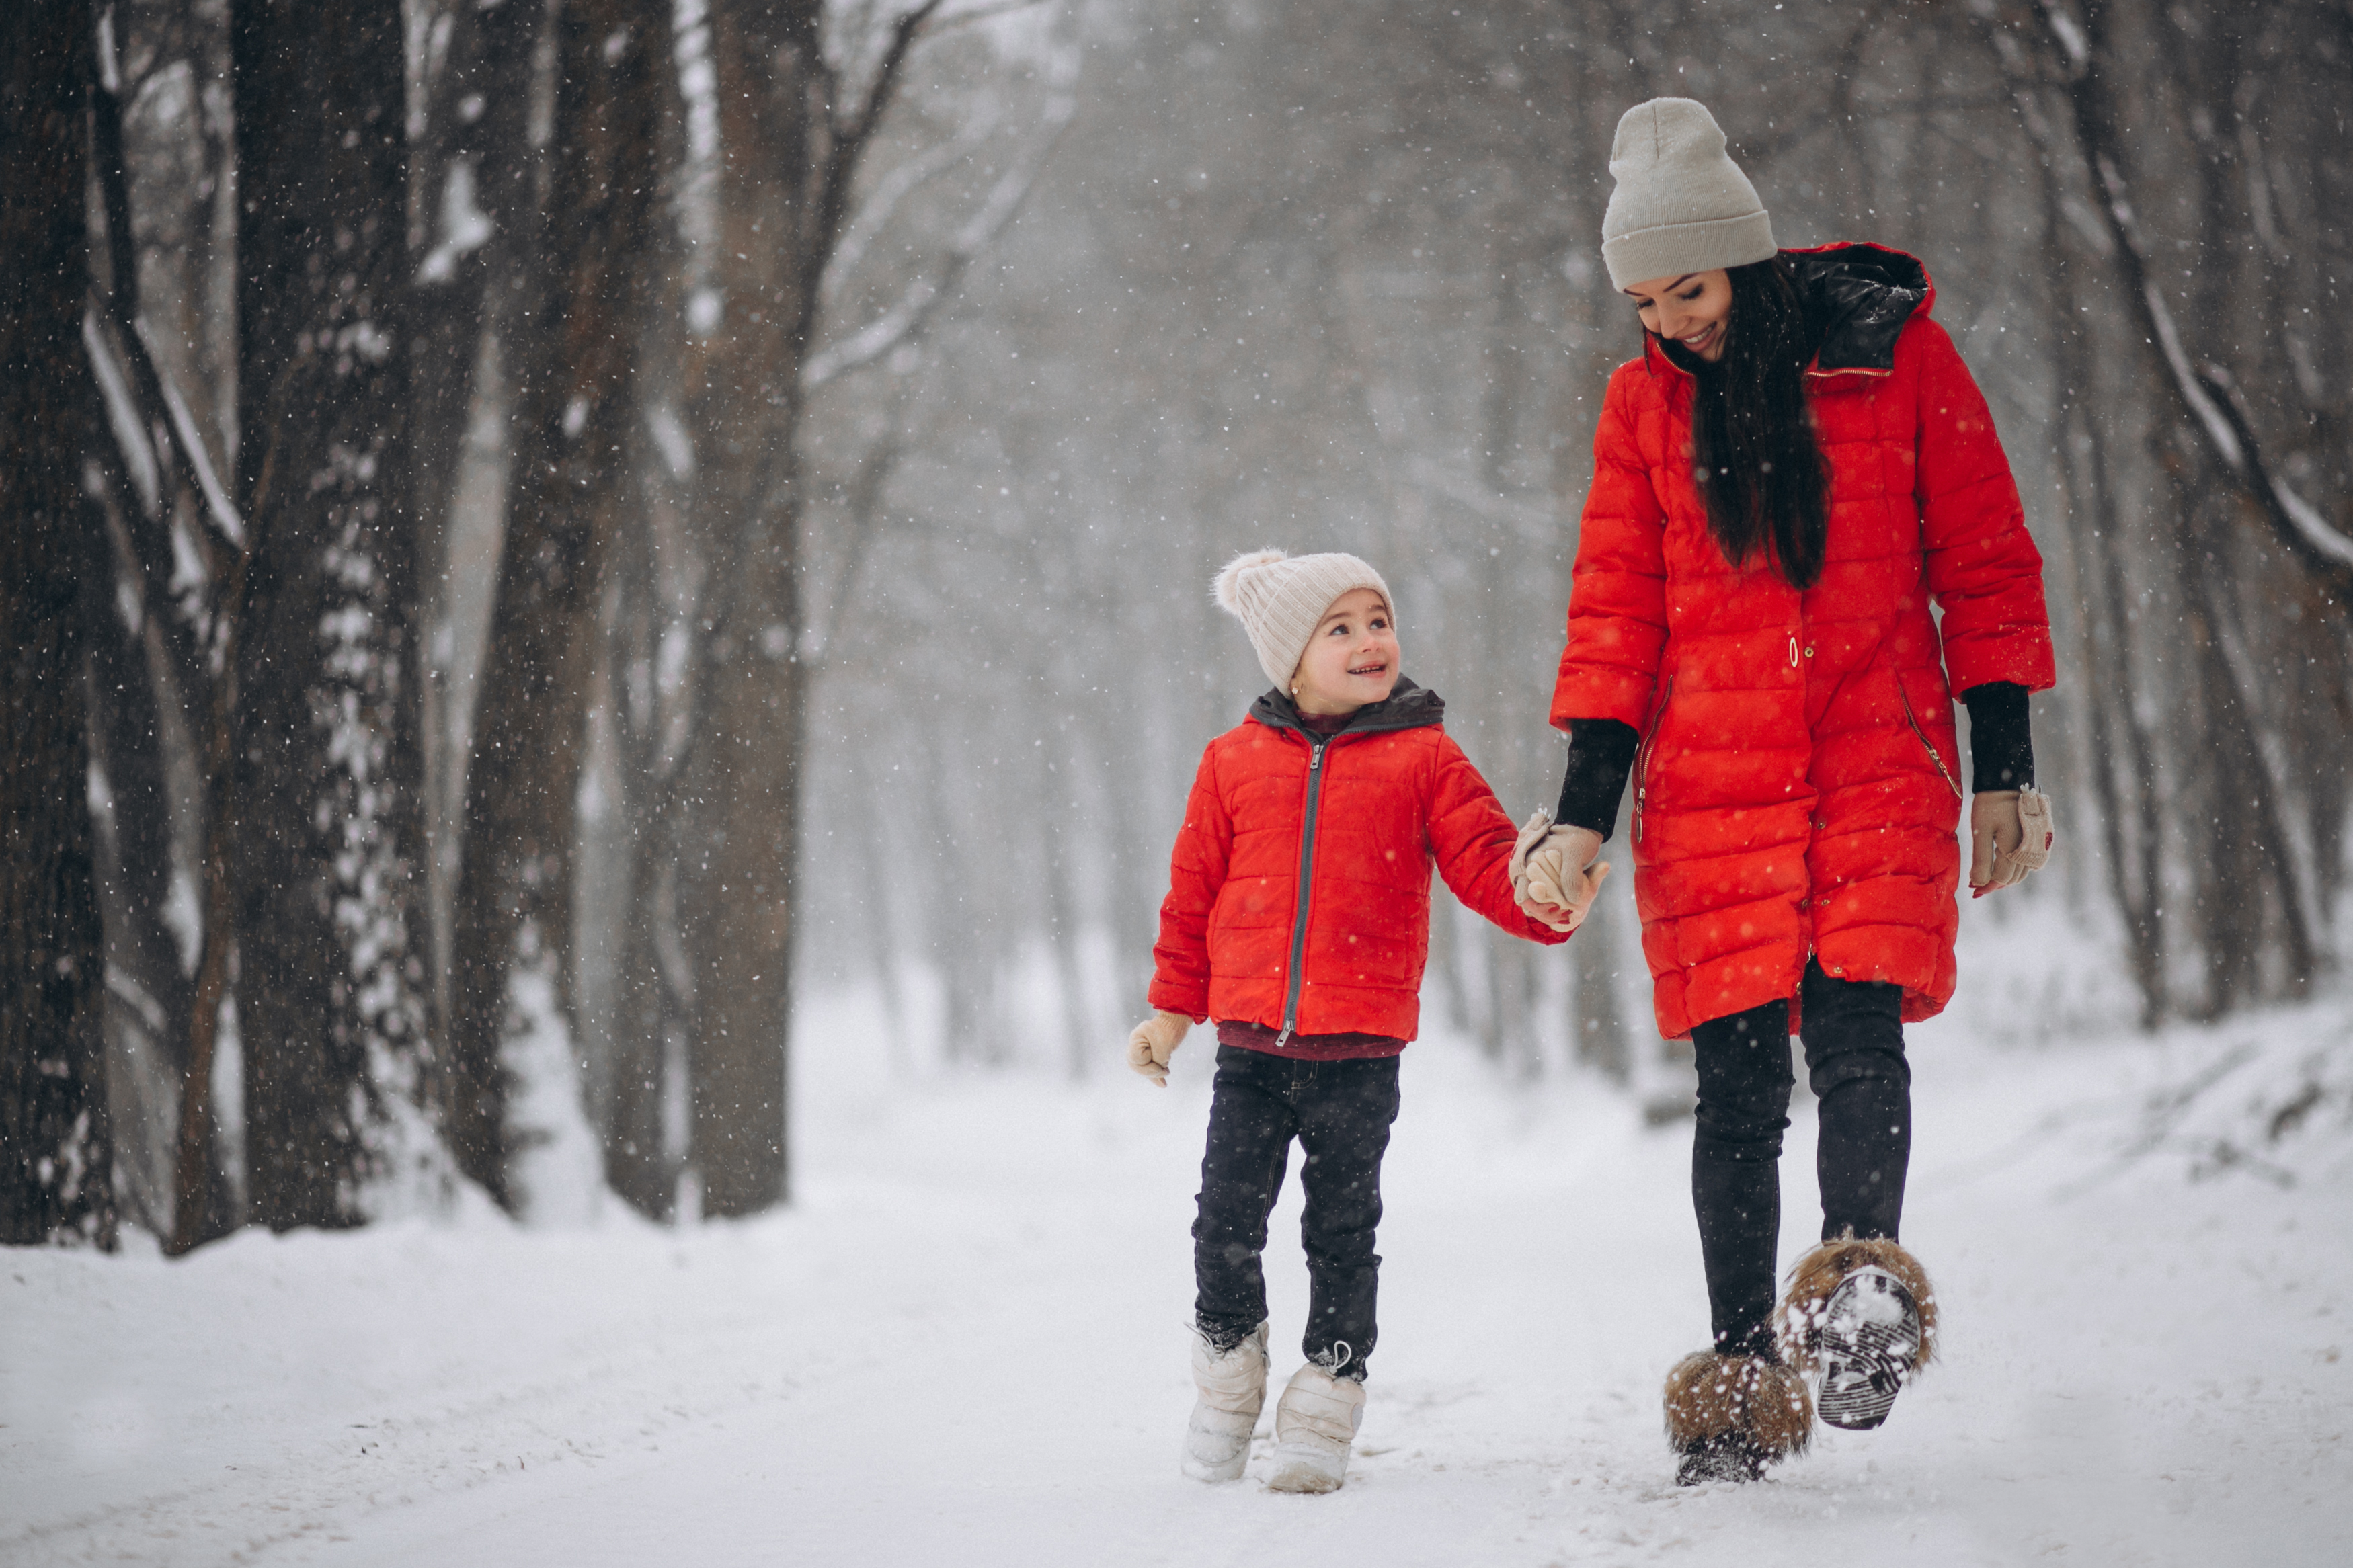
(1863,1315)
(1731,1415)
(1229,1388)
(1316,1424)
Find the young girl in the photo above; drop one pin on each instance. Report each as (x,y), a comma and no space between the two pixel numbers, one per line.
(1298,917)
(1796,466)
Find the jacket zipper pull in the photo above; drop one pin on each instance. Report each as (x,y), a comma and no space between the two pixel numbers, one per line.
(1643,758)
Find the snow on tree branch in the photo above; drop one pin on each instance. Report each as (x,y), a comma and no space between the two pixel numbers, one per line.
(924,297)
(852,133)
(896,187)
(2205,392)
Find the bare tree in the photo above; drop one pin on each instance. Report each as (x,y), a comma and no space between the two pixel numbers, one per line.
(478,206)
(475,232)
(320,801)
(570,498)
(157,499)
(793,122)
(2253,814)
(56,1173)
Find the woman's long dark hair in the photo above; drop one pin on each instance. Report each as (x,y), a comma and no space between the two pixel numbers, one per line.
(1760,471)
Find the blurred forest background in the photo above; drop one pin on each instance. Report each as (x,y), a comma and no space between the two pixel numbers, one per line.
(549,528)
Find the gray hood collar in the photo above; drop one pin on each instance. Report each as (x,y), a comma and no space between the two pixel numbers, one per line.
(1408,707)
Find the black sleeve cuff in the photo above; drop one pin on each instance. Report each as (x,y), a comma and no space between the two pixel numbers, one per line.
(2001,746)
(1600,755)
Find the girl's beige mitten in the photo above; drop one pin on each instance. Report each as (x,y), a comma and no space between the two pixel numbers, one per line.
(1537,861)
(1537,828)
(1154,1041)
(1548,868)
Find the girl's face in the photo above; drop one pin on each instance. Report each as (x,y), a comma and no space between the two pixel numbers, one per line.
(1689,309)
(1352,659)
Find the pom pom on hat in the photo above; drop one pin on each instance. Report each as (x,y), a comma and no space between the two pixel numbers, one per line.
(1278,599)
(1228,585)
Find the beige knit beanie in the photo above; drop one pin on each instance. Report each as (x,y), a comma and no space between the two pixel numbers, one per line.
(1279,598)
(1682,204)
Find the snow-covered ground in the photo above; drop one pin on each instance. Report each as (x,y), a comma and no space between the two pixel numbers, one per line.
(964,1344)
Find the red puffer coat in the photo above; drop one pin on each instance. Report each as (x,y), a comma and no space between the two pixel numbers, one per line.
(1356,820)
(1796,790)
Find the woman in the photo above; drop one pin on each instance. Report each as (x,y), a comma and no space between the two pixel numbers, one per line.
(1795,470)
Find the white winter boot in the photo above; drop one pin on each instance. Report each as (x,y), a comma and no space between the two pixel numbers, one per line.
(1316,1424)
(1230,1388)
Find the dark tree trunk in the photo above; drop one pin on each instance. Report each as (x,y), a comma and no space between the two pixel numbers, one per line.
(321,793)
(55,1166)
(569,496)
(147,664)
(774,95)
(2248,923)
(477,175)
(2122,756)
(147,990)
(640,1165)
(651,996)
(480,170)
(789,148)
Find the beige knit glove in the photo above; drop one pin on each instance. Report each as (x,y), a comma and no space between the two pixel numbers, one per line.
(1553,878)
(2009,836)
(1154,1041)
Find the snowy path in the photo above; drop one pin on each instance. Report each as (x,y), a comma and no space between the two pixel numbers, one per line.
(964,1345)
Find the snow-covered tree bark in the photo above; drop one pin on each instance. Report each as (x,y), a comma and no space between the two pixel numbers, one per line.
(322,794)
(478,171)
(56,1173)
(477,199)
(569,496)
(147,989)
(168,526)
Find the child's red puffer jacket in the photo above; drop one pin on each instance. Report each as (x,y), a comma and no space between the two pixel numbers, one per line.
(1359,818)
(1798,785)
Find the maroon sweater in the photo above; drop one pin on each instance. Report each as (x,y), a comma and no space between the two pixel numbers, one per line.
(1309,1047)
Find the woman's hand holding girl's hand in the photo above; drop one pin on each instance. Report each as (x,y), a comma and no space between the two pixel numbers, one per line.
(1553,878)
(1154,1041)
(2009,835)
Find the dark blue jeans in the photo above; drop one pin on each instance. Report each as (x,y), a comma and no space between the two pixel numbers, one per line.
(1341,1113)
(1854,1035)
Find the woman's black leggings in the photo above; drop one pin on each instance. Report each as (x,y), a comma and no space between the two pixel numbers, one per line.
(1853,1036)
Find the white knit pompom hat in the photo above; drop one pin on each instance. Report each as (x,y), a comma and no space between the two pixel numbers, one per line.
(1279,598)
(1682,204)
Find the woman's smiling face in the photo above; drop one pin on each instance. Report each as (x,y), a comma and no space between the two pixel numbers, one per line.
(1689,309)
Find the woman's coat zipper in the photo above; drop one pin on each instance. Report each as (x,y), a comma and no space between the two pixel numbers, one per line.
(1909,718)
(1643,758)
